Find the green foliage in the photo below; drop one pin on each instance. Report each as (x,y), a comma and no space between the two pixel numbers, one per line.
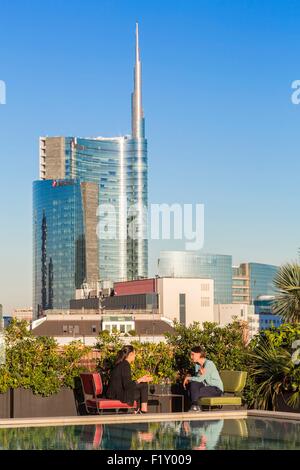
(132,333)
(36,363)
(271,367)
(287,302)
(108,345)
(282,336)
(223,345)
(156,359)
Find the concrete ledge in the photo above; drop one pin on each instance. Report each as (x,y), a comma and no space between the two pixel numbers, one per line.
(274,415)
(120,418)
(151,417)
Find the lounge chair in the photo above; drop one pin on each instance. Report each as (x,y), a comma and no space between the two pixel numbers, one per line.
(235,427)
(234,383)
(94,401)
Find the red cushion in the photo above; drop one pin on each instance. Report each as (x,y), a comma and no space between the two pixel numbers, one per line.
(106,403)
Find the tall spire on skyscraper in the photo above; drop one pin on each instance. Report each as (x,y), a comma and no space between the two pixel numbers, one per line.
(137,126)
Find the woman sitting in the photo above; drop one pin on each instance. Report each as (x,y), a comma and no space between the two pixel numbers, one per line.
(122,387)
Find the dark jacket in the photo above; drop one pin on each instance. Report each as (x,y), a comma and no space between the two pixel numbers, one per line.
(121,386)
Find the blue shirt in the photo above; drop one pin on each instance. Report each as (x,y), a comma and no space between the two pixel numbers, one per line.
(211,376)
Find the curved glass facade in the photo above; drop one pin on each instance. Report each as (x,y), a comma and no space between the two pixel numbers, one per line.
(59,243)
(119,167)
(261,279)
(191,264)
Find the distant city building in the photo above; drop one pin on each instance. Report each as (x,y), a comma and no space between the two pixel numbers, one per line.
(78,175)
(66,328)
(22,314)
(59,243)
(147,307)
(258,316)
(263,318)
(227,313)
(184,300)
(191,264)
(263,309)
(251,280)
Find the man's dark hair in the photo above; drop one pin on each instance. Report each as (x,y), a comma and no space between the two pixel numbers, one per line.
(199,350)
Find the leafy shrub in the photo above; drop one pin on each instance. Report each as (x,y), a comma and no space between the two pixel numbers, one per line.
(132,333)
(224,345)
(108,344)
(155,359)
(36,363)
(272,368)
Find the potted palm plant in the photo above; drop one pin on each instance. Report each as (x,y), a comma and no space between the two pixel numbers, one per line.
(276,376)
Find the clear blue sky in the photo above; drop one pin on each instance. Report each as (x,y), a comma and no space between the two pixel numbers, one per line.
(219,119)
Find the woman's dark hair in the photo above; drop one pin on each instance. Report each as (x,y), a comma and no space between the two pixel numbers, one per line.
(199,350)
(124,353)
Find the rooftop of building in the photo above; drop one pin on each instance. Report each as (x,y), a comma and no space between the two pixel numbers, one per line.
(66,327)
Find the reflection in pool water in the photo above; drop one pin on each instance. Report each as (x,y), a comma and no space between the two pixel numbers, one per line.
(250,433)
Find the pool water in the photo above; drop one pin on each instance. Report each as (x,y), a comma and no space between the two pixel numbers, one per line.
(251,433)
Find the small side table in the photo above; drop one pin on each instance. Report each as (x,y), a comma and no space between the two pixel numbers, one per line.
(167,395)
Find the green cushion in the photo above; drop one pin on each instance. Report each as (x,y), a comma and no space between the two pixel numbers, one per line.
(215,401)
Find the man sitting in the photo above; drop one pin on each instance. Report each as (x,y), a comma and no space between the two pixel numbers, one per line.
(206,382)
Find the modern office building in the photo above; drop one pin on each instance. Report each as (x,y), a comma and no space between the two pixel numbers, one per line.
(227,313)
(263,309)
(66,328)
(184,300)
(89,208)
(59,243)
(192,264)
(251,280)
(22,314)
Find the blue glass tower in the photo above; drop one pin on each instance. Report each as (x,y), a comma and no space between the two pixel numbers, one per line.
(192,264)
(110,175)
(59,242)
(261,279)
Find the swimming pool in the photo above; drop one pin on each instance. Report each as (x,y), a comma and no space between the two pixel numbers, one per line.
(234,434)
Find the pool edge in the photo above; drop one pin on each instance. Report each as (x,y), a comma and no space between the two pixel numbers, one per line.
(110,419)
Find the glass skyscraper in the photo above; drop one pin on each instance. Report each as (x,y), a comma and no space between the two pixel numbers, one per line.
(252,280)
(191,264)
(59,242)
(91,199)
(261,279)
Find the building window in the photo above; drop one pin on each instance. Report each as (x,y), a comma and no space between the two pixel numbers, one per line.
(205,302)
(65,329)
(94,329)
